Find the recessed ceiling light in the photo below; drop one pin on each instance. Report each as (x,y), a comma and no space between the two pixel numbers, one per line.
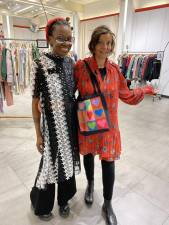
(4,11)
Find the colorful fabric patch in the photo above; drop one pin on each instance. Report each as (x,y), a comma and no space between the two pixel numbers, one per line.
(91,113)
(102,123)
(88,105)
(92,125)
(82,106)
(95,101)
(99,112)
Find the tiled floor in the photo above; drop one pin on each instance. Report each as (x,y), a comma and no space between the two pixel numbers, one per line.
(141,193)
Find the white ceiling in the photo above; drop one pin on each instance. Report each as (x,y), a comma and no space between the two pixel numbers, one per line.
(29,8)
(84,2)
(32,8)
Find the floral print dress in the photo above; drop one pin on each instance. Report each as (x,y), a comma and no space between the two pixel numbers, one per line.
(114,87)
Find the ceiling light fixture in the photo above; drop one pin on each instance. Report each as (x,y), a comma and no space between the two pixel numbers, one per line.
(4,11)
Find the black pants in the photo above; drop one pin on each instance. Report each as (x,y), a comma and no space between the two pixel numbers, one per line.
(108,174)
(43,199)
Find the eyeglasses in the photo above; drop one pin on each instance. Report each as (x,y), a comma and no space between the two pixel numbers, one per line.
(61,40)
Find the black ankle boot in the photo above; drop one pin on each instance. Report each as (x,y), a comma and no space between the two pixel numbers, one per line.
(89,193)
(108,213)
(64,211)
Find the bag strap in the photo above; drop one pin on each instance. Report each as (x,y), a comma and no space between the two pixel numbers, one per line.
(93,78)
(96,84)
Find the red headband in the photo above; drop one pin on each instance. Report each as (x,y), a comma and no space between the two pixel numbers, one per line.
(50,23)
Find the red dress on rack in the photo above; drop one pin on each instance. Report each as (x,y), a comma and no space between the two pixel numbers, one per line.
(108,144)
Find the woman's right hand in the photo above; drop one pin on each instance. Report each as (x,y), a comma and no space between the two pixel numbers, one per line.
(40,144)
(39,107)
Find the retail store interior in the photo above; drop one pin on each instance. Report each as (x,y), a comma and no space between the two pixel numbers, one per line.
(141,188)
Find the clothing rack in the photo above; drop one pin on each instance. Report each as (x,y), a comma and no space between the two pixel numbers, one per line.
(143,54)
(159,96)
(38,43)
(19,39)
(136,52)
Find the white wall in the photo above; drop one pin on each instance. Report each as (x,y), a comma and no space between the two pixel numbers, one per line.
(129,25)
(87,27)
(164,78)
(21,21)
(41,34)
(150,30)
(148,3)
(101,8)
(24,33)
(150,33)
(125,27)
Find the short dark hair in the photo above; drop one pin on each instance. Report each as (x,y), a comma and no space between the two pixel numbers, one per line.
(53,23)
(98,31)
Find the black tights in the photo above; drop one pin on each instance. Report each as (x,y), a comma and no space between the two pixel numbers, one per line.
(108,174)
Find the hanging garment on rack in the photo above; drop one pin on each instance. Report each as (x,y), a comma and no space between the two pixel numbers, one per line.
(3,64)
(6,77)
(9,68)
(129,72)
(140,66)
(27,72)
(152,70)
(0,62)
(15,65)
(35,52)
(22,60)
(1,98)
(8,94)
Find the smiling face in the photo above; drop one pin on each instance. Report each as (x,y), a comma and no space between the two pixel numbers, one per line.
(103,47)
(61,40)
(102,42)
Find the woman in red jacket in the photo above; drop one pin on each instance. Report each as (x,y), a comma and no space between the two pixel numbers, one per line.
(113,85)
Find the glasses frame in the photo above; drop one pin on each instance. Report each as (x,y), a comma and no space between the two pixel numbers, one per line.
(64,41)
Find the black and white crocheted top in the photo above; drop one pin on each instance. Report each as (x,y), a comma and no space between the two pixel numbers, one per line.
(52,82)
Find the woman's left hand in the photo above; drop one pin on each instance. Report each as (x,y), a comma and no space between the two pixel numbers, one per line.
(148,89)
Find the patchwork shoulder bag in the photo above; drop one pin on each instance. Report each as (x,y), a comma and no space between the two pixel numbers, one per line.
(92,110)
